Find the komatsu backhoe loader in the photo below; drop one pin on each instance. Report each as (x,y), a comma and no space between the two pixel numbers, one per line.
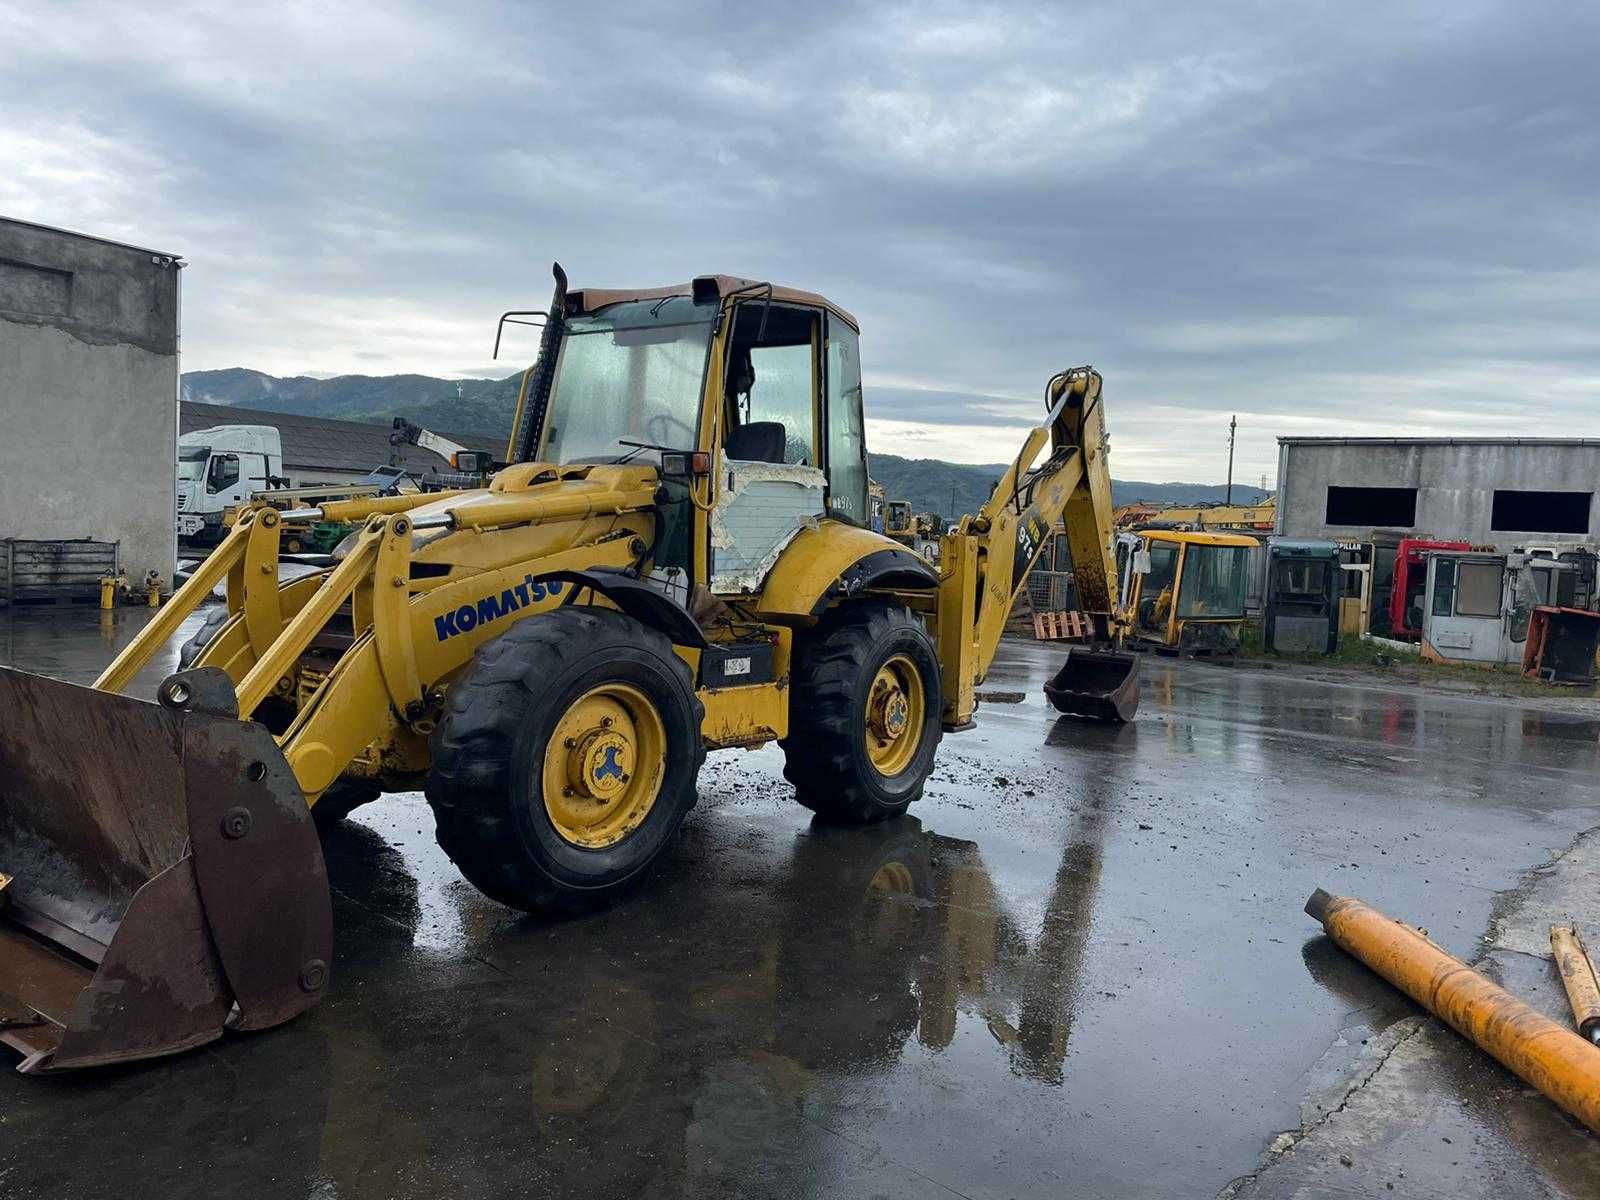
(677,560)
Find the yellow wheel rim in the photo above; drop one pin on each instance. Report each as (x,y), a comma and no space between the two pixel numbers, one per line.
(604,765)
(891,879)
(895,709)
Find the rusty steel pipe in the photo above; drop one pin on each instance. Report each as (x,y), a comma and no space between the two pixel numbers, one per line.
(1555,1060)
(1578,977)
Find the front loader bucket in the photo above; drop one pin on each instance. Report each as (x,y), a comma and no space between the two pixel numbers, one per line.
(165,879)
(1102,684)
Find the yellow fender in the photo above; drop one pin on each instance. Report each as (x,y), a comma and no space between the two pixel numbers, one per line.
(831,561)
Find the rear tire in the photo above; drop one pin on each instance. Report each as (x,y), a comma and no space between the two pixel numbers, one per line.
(844,764)
(201,638)
(584,696)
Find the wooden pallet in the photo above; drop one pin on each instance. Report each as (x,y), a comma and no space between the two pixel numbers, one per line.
(1070,626)
(61,571)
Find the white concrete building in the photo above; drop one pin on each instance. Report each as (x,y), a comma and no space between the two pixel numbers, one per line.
(88,392)
(1502,492)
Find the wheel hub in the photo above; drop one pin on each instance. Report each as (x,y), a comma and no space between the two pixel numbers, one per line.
(604,761)
(894,715)
(603,766)
(888,708)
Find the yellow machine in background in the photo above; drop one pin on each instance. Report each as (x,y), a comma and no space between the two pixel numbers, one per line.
(898,521)
(678,559)
(1205,517)
(1184,591)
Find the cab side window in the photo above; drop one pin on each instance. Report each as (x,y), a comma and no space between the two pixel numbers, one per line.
(224,472)
(771,389)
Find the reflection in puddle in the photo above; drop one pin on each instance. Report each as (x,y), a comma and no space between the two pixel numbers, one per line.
(1574,729)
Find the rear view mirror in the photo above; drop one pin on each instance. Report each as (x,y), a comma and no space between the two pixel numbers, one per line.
(1141,562)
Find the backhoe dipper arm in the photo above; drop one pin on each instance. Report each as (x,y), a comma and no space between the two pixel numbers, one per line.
(408,434)
(985,559)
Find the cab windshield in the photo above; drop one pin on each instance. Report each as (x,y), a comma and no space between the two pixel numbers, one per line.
(1213,581)
(192,462)
(629,372)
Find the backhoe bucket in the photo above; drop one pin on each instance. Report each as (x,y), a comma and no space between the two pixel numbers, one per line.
(1102,684)
(160,876)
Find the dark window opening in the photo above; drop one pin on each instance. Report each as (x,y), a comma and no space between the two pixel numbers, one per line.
(1444,586)
(1541,512)
(1387,506)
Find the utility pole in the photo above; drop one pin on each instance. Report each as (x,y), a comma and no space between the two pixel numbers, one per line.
(1233,423)
(953,514)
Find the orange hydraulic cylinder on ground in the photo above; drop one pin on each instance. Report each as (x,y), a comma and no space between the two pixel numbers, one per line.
(1578,977)
(1555,1060)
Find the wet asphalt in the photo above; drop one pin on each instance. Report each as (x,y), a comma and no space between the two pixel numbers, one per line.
(1079,967)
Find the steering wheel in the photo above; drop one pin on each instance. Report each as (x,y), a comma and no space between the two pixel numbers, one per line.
(666,421)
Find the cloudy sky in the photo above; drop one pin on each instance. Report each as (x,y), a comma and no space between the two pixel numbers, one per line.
(1340,220)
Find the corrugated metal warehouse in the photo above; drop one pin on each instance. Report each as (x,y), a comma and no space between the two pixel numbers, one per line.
(325,450)
(1504,492)
(88,392)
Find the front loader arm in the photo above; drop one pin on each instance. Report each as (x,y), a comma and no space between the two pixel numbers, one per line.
(985,560)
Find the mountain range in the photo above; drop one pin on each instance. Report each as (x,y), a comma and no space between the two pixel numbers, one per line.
(484,406)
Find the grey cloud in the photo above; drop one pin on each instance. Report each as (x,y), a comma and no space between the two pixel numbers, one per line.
(1373,219)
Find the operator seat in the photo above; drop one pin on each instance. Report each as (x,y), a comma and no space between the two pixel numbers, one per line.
(759,441)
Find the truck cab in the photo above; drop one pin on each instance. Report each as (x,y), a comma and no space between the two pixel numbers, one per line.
(220,468)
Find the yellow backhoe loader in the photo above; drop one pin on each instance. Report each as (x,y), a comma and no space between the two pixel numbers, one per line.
(899,523)
(677,560)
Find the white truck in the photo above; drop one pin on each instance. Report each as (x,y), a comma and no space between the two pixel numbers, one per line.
(220,468)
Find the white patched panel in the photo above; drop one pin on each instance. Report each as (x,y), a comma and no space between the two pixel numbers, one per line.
(761,507)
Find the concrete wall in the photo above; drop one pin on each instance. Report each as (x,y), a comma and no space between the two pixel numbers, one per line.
(1455,484)
(88,393)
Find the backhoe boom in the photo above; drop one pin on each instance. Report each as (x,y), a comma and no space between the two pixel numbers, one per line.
(985,560)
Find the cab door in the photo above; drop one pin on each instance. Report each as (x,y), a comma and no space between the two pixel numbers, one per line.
(844,423)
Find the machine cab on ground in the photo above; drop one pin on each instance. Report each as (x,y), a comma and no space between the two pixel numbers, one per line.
(1185,592)
(1479,605)
(1301,616)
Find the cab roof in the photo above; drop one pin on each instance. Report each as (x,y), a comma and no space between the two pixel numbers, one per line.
(705,287)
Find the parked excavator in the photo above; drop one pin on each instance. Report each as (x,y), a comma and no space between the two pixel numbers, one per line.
(678,559)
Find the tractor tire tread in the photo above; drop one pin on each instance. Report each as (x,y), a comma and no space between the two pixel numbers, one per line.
(825,713)
(468,786)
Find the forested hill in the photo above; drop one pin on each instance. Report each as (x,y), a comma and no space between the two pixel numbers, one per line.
(955,488)
(484,406)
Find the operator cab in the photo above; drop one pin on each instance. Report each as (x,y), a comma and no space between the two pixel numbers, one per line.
(631,378)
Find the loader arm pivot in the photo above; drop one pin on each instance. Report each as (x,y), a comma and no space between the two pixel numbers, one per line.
(984,561)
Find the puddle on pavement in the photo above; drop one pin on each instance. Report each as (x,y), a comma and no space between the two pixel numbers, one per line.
(1573,729)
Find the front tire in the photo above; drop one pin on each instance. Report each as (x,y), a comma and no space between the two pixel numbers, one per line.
(865,715)
(566,760)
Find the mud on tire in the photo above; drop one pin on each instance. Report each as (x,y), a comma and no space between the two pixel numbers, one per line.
(485,785)
(825,754)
